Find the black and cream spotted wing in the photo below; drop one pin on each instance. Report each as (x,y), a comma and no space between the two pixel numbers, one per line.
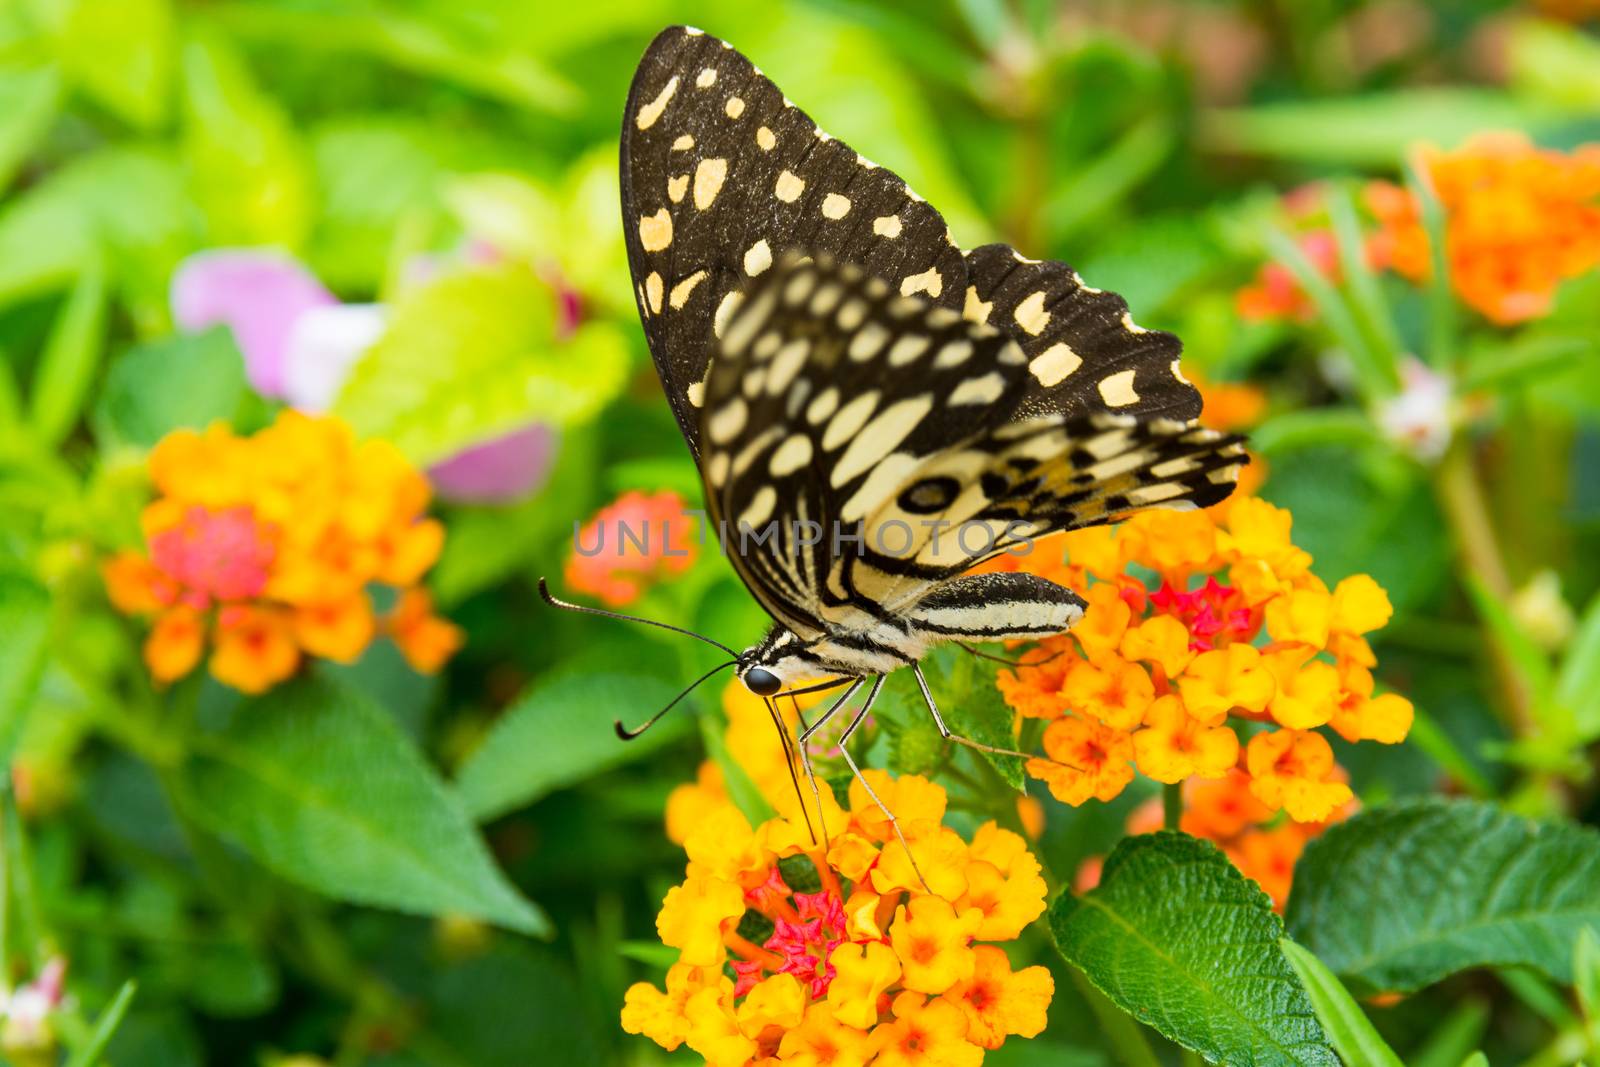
(834,404)
(721,175)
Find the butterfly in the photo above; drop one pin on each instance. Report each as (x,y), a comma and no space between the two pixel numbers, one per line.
(873,409)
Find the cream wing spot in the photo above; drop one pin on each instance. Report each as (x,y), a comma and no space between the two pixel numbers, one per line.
(929,281)
(734,107)
(649,113)
(953,354)
(1031,315)
(717,468)
(852,314)
(887,226)
(789,187)
(976,310)
(786,364)
(725,309)
(696,393)
(1117,389)
(908,348)
(680,292)
(1154,494)
(707,78)
(1177,372)
(835,206)
(655,231)
(794,453)
(867,343)
(759,508)
(653,286)
(849,419)
(1130,325)
(879,437)
(985,389)
(726,422)
(683,143)
(1052,366)
(708,179)
(758,258)
(824,405)
(676,187)
(766,139)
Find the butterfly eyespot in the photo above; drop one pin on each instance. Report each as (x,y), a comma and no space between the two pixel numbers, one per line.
(929,495)
(762,682)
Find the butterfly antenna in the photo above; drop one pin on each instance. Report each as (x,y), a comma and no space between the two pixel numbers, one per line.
(566,605)
(628,735)
(788,760)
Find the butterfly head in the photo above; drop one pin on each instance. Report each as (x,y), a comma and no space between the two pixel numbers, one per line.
(777,661)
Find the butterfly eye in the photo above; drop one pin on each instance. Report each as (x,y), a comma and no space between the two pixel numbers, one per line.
(762,682)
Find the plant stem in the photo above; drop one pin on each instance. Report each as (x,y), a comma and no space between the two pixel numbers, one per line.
(1172,805)
(1462,499)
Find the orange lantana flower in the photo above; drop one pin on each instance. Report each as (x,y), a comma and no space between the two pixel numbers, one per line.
(265,547)
(866,967)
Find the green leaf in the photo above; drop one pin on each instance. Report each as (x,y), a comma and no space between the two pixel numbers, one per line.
(1586,973)
(1578,683)
(1311,427)
(1398,897)
(248,172)
(1531,662)
(473,355)
(1477,1059)
(1177,937)
(25,624)
(71,358)
(1555,62)
(183,380)
(561,732)
(319,784)
(1347,1026)
(1374,129)
(105,1027)
(973,707)
(29,100)
(120,53)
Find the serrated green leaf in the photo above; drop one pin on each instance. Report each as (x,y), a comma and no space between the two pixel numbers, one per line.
(183,380)
(1401,896)
(473,355)
(1177,937)
(71,358)
(1347,1026)
(25,624)
(561,731)
(318,784)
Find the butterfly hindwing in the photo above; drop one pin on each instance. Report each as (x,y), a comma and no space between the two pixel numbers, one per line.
(721,175)
(888,426)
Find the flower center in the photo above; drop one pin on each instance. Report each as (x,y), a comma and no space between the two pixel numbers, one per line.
(215,555)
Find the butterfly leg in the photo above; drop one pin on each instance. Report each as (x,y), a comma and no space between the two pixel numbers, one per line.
(802,742)
(981,654)
(945,731)
(894,823)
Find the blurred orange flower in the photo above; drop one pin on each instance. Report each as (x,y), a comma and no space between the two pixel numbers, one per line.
(1519,220)
(631,544)
(265,546)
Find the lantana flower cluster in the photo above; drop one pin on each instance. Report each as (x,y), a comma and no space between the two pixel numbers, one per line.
(797,952)
(1519,219)
(1202,627)
(629,545)
(264,548)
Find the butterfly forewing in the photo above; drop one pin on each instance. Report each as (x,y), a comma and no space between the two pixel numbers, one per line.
(721,175)
(1085,352)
